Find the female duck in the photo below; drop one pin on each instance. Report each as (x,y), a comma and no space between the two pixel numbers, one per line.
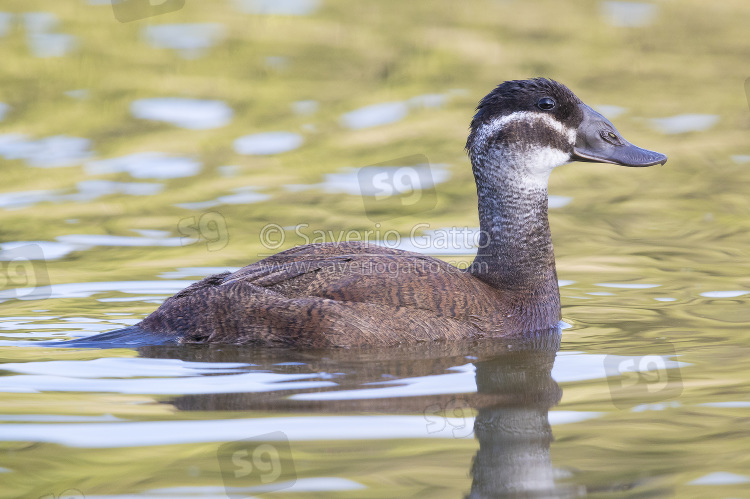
(324,295)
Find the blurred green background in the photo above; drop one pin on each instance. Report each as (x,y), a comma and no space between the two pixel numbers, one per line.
(683,58)
(671,75)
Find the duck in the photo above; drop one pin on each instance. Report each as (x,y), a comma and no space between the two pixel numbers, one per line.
(359,295)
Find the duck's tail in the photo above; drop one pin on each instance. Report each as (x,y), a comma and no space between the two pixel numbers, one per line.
(129,337)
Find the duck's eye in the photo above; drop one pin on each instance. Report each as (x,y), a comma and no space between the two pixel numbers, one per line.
(610,137)
(545,103)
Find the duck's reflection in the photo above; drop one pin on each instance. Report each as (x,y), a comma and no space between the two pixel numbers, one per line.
(512,426)
(514,392)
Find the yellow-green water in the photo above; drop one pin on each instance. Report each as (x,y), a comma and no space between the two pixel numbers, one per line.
(86,421)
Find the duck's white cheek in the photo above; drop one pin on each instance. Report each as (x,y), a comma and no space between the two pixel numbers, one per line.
(538,163)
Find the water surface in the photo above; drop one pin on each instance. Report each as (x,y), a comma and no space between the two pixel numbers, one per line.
(139,157)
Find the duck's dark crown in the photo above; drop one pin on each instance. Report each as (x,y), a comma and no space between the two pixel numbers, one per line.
(516,96)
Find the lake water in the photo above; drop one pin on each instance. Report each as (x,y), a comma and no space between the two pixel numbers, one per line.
(196,137)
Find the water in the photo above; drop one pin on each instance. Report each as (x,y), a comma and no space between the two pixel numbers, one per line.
(141,156)
(268,143)
(187,113)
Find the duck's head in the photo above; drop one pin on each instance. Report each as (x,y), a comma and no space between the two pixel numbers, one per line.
(535,125)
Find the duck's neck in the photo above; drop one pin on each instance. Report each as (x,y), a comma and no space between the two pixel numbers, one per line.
(515,253)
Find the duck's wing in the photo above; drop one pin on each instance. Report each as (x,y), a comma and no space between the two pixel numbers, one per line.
(335,295)
(243,313)
(363,273)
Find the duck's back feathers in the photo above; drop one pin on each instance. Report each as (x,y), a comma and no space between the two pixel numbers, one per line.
(321,295)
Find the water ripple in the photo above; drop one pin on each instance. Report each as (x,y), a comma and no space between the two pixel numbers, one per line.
(194,114)
(684,123)
(189,40)
(313,428)
(49,152)
(346,180)
(146,165)
(5,23)
(87,289)
(629,14)
(242,195)
(278,7)
(268,143)
(375,115)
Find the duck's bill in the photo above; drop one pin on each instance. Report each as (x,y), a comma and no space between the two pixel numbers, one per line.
(598,141)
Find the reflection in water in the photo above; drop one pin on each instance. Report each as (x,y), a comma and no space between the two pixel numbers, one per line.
(189,40)
(241,195)
(278,7)
(51,44)
(720,478)
(261,144)
(427,101)
(514,392)
(79,93)
(391,112)
(50,250)
(5,20)
(49,152)
(724,294)
(87,190)
(347,181)
(629,14)
(16,200)
(626,285)
(375,115)
(676,226)
(194,114)
(41,41)
(276,62)
(40,22)
(684,123)
(610,112)
(443,241)
(86,289)
(514,432)
(305,107)
(146,165)
(112,240)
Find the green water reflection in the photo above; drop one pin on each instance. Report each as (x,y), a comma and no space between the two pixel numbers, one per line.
(683,228)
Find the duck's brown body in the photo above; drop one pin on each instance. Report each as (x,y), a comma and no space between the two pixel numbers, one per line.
(355,294)
(347,295)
